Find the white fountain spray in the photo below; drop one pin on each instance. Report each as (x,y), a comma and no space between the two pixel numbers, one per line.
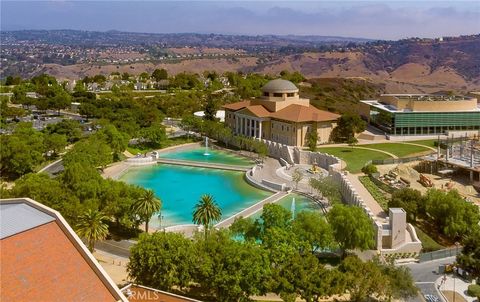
(292,208)
(206,147)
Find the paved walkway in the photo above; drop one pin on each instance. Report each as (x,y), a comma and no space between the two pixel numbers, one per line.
(268,171)
(377,150)
(202,165)
(371,203)
(251,210)
(448,283)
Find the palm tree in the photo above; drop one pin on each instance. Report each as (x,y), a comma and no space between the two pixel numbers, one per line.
(92,227)
(206,212)
(146,206)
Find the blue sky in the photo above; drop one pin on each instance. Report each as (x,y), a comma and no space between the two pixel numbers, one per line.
(368,19)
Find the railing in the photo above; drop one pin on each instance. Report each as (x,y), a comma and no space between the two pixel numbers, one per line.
(389,161)
(449,252)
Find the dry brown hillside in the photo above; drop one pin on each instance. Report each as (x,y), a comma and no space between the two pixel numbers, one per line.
(399,66)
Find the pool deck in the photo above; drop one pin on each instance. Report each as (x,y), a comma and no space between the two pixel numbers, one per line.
(252,209)
(181,162)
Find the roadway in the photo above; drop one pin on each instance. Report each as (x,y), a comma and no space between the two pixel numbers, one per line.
(425,274)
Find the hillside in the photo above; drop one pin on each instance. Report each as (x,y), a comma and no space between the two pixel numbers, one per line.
(402,66)
(411,65)
(339,94)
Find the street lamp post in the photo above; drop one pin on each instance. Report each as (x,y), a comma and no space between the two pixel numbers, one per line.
(454,271)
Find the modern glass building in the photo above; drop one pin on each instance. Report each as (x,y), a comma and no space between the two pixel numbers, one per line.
(422,114)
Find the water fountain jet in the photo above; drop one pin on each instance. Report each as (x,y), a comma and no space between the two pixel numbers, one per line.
(206,147)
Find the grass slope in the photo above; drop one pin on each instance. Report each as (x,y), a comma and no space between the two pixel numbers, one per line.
(355,158)
(400,150)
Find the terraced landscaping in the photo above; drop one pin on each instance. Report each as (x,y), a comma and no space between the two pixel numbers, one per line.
(355,158)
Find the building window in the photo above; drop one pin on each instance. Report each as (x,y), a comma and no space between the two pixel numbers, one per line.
(290,94)
(288,128)
(265,94)
(282,127)
(277,95)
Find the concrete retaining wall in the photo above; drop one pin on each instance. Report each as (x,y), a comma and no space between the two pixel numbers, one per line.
(249,178)
(333,165)
(141,161)
(277,150)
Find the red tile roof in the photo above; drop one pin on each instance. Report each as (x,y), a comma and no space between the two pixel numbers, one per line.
(256,110)
(237,105)
(42,264)
(299,113)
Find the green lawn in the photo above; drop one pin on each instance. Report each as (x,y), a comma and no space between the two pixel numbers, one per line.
(428,244)
(355,158)
(400,150)
(425,142)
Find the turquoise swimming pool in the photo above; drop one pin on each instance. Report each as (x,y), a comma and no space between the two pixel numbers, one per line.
(215,156)
(181,187)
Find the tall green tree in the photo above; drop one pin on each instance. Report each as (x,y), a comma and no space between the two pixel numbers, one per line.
(411,201)
(146,206)
(50,192)
(206,212)
(469,259)
(328,187)
(93,152)
(154,135)
(55,142)
(211,108)
(92,227)
(297,177)
(275,215)
(160,74)
(22,151)
(362,279)
(312,139)
(451,214)
(230,270)
(313,228)
(351,227)
(348,125)
(162,260)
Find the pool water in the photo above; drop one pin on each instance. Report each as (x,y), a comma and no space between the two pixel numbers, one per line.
(302,203)
(215,156)
(181,187)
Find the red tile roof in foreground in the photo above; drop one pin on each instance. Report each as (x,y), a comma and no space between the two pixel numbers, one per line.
(42,259)
(41,264)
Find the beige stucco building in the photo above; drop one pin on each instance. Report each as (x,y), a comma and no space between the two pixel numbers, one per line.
(280,115)
(422,114)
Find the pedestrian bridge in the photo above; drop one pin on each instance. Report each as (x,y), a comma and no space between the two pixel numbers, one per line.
(181,162)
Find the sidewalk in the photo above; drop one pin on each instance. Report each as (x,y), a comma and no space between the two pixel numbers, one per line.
(448,283)
(115,266)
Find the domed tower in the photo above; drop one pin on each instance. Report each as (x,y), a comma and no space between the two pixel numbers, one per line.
(279,88)
(280,93)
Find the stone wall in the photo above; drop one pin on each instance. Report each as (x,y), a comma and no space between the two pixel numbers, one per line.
(278,150)
(333,165)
